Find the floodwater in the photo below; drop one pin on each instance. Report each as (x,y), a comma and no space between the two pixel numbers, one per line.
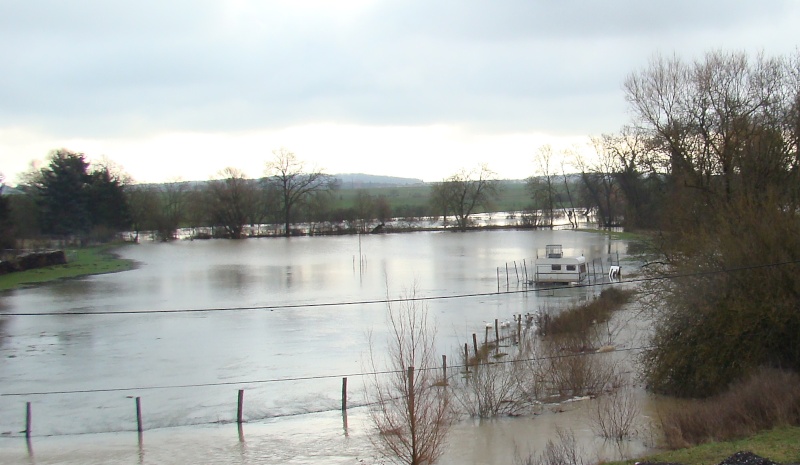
(284,319)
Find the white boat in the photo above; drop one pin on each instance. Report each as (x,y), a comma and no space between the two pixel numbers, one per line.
(554,267)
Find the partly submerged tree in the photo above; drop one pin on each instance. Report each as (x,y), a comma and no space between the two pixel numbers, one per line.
(411,408)
(542,187)
(463,193)
(294,184)
(233,201)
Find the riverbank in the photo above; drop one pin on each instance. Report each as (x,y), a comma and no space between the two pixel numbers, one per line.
(84,261)
(781,445)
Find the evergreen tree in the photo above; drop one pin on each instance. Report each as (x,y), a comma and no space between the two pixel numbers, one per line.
(6,231)
(72,200)
(62,195)
(107,202)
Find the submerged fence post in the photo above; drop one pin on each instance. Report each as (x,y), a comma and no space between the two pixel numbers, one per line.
(466,356)
(28,420)
(444,368)
(240,407)
(139,414)
(496,334)
(475,344)
(344,394)
(516,271)
(498,279)
(525,269)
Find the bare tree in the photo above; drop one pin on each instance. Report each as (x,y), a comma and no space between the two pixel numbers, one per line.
(563,452)
(464,192)
(600,182)
(615,413)
(499,388)
(411,411)
(174,196)
(294,184)
(383,210)
(542,187)
(233,201)
(143,201)
(571,214)
(364,208)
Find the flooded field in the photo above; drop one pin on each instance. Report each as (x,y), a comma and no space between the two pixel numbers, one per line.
(283,319)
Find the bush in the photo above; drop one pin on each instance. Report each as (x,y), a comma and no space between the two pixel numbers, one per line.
(767,399)
(581,318)
(615,414)
(734,309)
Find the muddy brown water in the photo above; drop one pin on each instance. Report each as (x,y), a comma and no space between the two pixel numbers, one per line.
(81,368)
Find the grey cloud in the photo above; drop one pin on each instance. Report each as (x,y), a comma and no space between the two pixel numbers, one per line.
(95,67)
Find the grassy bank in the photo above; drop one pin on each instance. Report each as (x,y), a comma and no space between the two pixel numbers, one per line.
(780,445)
(80,262)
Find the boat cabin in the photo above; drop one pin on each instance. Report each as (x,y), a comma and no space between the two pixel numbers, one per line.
(554,267)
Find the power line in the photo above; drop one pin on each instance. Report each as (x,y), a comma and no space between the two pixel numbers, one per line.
(404,299)
(304,378)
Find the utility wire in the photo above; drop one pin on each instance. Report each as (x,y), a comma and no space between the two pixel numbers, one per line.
(305,378)
(405,299)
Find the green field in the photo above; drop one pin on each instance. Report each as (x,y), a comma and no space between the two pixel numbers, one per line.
(512,196)
(780,445)
(80,262)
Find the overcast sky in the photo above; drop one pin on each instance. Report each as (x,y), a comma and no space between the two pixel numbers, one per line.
(184,88)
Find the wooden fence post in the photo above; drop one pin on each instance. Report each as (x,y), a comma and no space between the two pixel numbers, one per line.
(240,407)
(344,394)
(139,414)
(28,420)
(444,368)
(475,344)
(525,269)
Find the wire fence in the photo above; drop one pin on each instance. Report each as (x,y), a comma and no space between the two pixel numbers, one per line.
(450,372)
(241,384)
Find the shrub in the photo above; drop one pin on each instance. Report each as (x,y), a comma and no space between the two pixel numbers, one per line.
(767,399)
(615,413)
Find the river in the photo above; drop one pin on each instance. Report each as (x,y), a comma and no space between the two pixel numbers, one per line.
(284,319)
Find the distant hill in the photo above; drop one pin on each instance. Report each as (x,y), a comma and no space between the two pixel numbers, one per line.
(359,180)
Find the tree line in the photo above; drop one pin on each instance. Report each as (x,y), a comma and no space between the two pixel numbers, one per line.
(69,197)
